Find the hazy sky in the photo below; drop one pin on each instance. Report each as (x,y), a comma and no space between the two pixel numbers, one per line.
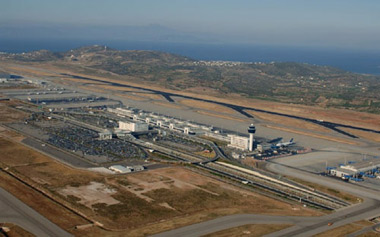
(345,23)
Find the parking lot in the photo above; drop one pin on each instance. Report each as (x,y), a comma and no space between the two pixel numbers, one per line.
(77,140)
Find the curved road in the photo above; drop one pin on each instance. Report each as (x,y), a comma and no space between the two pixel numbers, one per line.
(14,211)
(303,226)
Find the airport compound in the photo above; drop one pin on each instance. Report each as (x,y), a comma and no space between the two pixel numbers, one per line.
(89,130)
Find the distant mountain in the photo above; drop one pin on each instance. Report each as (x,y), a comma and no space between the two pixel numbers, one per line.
(286,82)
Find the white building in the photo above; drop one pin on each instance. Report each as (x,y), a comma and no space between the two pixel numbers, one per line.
(120,169)
(106,135)
(239,142)
(356,168)
(133,126)
(341,173)
(138,168)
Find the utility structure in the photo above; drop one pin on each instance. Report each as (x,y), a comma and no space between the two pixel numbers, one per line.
(251,131)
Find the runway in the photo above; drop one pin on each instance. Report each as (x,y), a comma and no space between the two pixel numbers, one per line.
(14,211)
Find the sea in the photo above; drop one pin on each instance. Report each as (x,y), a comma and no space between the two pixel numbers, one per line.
(359,61)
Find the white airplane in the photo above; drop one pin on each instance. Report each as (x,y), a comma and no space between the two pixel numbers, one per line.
(284,144)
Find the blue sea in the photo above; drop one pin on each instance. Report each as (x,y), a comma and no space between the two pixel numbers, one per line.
(363,61)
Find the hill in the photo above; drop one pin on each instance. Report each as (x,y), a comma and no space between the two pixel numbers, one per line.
(278,81)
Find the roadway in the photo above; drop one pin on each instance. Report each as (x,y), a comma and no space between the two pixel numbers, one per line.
(303,226)
(58,154)
(369,208)
(241,109)
(14,211)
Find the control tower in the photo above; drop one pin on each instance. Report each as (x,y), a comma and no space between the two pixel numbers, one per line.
(251,131)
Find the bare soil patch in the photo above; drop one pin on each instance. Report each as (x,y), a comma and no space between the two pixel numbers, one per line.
(15,230)
(9,114)
(366,135)
(345,229)
(91,194)
(348,117)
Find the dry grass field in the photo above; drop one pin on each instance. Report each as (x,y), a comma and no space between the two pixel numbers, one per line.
(157,200)
(370,234)
(15,230)
(345,196)
(346,229)
(362,134)
(343,116)
(9,114)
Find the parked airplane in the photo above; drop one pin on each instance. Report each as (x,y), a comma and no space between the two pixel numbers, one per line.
(283,144)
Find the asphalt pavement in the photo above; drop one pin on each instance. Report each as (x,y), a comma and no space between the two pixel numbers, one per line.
(303,226)
(14,211)
(54,152)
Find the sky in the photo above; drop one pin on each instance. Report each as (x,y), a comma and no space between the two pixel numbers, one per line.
(322,23)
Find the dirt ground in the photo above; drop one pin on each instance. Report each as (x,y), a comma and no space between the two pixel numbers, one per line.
(348,117)
(362,134)
(346,229)
(370,234)
(15,230)
(157,200)
(91,194)
(345,196)
(9,114)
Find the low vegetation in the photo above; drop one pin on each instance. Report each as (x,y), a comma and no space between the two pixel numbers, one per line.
(339,194)
(162,198)
(279,81)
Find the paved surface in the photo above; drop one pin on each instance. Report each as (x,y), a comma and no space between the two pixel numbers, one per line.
(51,151)
(303,226)
(364,230)
(369,208)
(14,211)
(230,222)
